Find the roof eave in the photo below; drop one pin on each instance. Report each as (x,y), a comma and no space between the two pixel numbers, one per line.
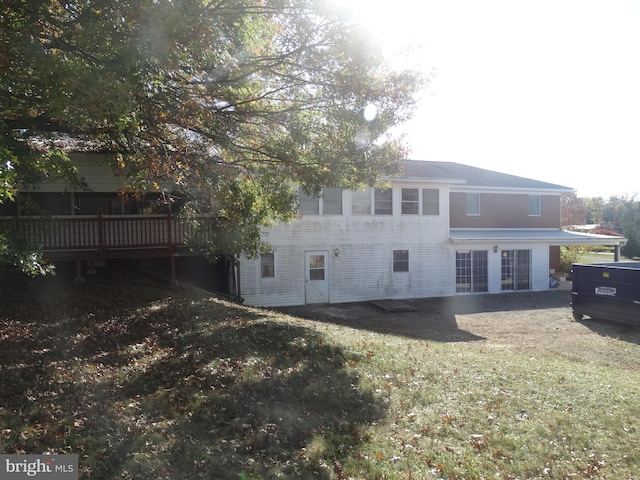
(447,181)
(477,188)
(566,239)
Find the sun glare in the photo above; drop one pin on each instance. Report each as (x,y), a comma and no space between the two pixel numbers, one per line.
(370,112)
(395,27)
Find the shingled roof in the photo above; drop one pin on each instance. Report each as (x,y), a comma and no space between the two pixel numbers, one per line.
(472,176)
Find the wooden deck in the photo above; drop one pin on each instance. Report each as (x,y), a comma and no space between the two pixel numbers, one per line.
(81,237)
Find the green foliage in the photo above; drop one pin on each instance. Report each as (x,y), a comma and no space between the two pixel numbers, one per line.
(232,101)
(621,214)
(595,210)
(570,255)
(7,180)
(632,233)
(18,252)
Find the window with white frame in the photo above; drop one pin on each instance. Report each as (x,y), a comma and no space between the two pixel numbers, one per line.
(430,201)
(361,201)
(267,265)
(331,201)
(383,199)
(416,201)
(308,204)
(401,260)
(535,205)
(410,201)
(473,204)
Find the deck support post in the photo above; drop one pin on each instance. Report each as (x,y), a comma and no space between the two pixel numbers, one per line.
(79,278)
(172,260)
(236,264)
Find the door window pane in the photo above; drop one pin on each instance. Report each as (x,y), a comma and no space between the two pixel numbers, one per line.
(523,269)
(480,271)
(472,272)
(316,267)
(516,269)
(507,270)
(463,272)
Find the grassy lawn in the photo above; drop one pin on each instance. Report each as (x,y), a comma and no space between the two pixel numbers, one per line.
(595,256)
(146,382)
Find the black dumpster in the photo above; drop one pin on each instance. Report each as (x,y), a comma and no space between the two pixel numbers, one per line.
(607,291)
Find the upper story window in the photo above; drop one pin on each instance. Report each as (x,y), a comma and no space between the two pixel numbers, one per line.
(410,201)
(94,203)
(473,204)
(430,201)
(361,202)
(308,204)
(417,201)
(535,205)
(89,203)
(380,198)
(132,204)
(383,201)
(329,203)
(40,203)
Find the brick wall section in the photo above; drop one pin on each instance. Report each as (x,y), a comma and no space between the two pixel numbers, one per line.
(503,210)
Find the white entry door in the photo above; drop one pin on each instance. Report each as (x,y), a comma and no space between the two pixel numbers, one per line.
(316,277)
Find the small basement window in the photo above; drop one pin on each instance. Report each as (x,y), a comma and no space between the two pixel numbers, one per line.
(401,260)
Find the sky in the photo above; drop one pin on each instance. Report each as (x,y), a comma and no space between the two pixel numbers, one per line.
(548,90)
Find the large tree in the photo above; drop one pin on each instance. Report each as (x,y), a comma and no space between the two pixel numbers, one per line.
(572,210)
(230,100)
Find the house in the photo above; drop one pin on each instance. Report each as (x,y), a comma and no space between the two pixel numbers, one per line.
(435,229)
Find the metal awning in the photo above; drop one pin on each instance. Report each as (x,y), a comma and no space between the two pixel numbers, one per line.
(527,235)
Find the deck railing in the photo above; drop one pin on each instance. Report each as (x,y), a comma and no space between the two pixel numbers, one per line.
(102,233)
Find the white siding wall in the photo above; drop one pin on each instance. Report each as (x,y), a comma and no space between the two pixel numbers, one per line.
(363,269)
(540,267)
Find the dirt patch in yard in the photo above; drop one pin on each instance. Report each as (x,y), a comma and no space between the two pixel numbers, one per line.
(541,322)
